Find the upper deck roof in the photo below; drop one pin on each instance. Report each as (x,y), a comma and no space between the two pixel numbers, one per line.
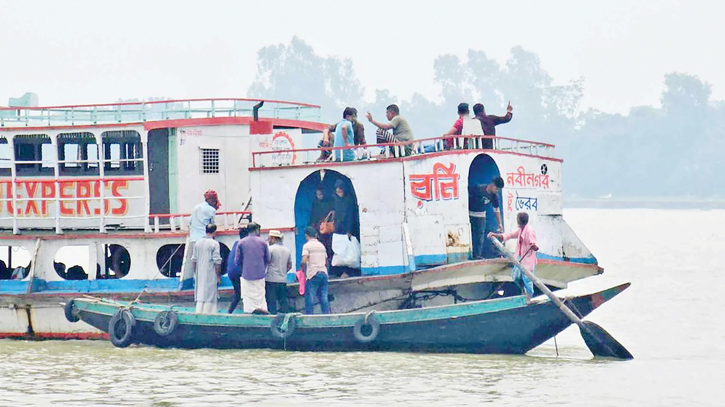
(193,111)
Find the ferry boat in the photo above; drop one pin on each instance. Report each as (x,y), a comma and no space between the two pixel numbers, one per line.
(116,183)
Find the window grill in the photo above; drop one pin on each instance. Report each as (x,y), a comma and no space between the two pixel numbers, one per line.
(209,160)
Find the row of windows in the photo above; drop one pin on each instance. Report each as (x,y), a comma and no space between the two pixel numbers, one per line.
(77,152)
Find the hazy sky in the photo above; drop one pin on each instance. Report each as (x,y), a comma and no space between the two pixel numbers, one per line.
(72,52)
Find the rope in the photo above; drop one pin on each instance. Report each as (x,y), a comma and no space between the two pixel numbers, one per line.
(368,316)
(156,276)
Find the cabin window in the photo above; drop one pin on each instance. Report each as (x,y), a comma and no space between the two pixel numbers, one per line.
(34,155)
(71,154)
(6,157)
(169,259)
(118,262)
(115,155)
(47,156)
(92,155)
(209,160)
(72,262)
(123,152)
(14,263)
(74,158)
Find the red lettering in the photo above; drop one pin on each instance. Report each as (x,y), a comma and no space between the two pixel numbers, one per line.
(97,194)
(8,195)
(47,190)
(83,190)
(116,187)
(65,187)
(32,204)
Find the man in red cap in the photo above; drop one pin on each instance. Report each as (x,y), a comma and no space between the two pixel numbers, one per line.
(202,215)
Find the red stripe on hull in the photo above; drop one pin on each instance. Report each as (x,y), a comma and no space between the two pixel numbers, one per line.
(55,335)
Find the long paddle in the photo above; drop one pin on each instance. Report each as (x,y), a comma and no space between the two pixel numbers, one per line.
(599,341)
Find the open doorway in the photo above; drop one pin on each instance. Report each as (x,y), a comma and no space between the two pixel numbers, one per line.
(308,212)
(483,169)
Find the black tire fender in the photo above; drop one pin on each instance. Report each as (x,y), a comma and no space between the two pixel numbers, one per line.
(71,314)
(277,322)
(374,325)
(121,336)
(165,323)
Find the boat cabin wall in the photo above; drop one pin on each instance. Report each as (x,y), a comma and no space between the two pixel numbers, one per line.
(283,200)
(57,176)
(121,263)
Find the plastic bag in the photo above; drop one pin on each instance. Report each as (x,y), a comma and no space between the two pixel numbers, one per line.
(302,279)
(346,251)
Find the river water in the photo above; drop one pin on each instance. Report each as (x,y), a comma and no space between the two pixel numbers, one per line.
(671,319)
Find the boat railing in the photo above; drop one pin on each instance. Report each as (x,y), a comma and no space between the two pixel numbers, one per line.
(384,151)
(137,112)
(179,222)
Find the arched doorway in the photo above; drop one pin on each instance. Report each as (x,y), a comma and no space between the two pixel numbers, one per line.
(483,169)
(306,196)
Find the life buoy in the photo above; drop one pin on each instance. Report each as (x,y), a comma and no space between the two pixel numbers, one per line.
(165,323)
(370,320)
(275,327)
(71,314)
(120,328)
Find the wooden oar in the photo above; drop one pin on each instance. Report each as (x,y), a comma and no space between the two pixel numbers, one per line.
(599,341)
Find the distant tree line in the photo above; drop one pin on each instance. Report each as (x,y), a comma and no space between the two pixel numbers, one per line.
(672,151)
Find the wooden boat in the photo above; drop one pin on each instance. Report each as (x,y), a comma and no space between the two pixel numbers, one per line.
(506,326)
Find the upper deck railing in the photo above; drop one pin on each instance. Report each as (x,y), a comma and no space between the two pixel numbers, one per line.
(137,112)
(378,152)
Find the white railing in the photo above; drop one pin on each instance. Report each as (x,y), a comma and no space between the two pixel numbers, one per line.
(135,112)
(309,156)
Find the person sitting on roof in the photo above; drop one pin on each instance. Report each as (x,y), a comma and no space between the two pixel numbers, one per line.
(325,144)
(457,128)
(399,126)
(489,122)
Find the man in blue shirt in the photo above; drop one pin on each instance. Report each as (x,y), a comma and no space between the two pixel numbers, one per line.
(345,136)
(202,215)
(234,270)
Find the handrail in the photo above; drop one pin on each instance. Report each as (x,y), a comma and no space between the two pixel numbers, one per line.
(160,102)
(158,110)
(182,225)
(416,147)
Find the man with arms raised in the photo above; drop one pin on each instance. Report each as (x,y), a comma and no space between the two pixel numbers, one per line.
(489,122)
(400,127)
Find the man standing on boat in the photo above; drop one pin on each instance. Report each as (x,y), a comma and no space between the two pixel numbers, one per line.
(489,122)
(234,270)
(201,216)
(253,257)
(280,262)
(314,259)
(481,199)
(206,261)
(526,248)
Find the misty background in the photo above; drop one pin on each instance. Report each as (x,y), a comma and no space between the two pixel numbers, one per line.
(631,93)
